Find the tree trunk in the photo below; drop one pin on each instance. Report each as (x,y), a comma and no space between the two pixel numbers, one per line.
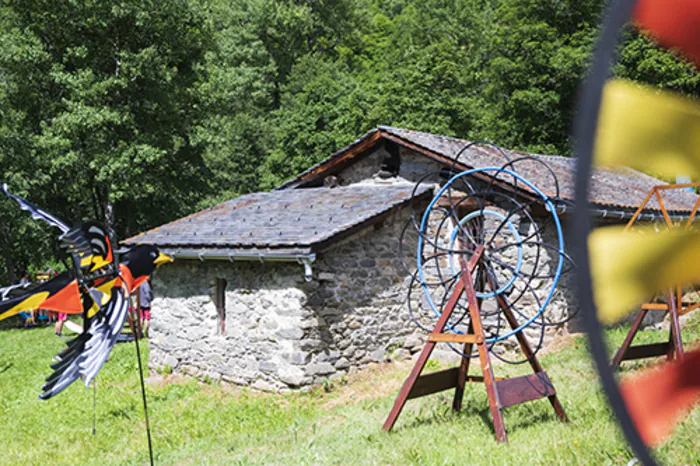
(109,215)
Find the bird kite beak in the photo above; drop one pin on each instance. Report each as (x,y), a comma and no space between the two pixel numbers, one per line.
(163,259)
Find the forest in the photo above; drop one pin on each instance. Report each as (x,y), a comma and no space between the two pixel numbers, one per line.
(137,112)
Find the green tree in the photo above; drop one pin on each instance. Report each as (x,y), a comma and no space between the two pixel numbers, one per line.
(323,109)
(642,60)
(533,60)
(237,94)
(109,106)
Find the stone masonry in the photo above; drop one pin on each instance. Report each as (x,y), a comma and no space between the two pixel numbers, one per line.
(282,331)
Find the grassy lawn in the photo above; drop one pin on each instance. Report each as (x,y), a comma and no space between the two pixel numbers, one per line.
(199,423)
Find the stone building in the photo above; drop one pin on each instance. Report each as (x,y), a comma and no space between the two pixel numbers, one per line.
(288,288)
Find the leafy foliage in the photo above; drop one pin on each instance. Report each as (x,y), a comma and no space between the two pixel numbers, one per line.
(139,112)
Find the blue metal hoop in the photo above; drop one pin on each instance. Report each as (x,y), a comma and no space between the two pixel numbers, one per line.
(560,237)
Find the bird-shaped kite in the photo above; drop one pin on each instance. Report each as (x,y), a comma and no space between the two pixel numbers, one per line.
(98,287)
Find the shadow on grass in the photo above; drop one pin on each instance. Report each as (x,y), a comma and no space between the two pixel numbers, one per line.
(524,416)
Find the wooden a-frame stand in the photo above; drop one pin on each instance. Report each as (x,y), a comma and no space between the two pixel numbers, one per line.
(675,306)
(673,348)
(502,393)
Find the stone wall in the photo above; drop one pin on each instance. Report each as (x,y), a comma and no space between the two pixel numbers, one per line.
(563,305)
(280,330)
(283,332)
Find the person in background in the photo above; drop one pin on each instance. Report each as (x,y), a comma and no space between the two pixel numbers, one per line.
(145,299)
(61,318)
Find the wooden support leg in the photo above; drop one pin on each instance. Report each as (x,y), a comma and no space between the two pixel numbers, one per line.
(407,386)
(467,351)
(619,356)
(494,400)
(462,374)
(676,344)
(485,360)
(428,348)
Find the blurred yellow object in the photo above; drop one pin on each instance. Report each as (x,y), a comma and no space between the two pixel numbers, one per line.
(648,129)
(627,267)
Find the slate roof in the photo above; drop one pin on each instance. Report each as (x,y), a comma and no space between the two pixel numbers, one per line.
(280,222)
(624,188)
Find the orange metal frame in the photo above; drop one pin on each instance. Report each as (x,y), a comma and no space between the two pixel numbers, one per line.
(675,305)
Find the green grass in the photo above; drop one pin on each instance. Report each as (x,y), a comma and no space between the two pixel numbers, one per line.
(339,424)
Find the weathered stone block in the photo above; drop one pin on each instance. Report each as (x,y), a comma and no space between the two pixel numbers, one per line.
(330,356)
(414,342)
(268,323)
(171,361)
(377,355)
(307,324)
(297,357)
(310,344)
(320,368)
(293,376)
(354,325)
(342,363)
(290,333)
(267,366)
(264,386)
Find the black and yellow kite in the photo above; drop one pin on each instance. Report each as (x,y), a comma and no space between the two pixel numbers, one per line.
(98,287)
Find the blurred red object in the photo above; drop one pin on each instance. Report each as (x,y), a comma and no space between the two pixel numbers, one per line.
(674,23)
(660,397)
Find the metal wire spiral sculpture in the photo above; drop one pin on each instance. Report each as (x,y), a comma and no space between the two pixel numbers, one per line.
(523,259)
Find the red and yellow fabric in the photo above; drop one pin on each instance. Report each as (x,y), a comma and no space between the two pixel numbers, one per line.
(658,132)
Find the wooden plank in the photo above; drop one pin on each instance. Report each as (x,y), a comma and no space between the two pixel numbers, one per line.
(523,389)
(664,306)
(655,307)
(438,381)
(453,338)
(688,307)
(646,351)
(434,382)
(462,206)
